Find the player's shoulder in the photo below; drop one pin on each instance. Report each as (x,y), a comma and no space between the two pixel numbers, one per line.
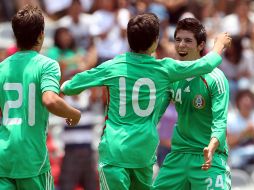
(216,75)
(45,62)
(121,58)
(217,80)
(107,64)
(6,60)
(44,59)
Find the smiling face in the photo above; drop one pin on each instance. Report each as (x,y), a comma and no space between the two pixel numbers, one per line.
(186,45)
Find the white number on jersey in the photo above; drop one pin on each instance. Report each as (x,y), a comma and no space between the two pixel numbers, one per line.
(135,95)
(177,97)
(218,183)
(12,104)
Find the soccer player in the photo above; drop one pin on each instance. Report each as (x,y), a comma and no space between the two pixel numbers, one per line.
(29,87)
(198,158)
(138,96)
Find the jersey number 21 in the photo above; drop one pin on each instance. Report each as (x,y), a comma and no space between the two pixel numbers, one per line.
(12,104)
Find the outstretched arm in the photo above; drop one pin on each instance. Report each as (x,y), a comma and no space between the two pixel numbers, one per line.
(59,107)
(179,70)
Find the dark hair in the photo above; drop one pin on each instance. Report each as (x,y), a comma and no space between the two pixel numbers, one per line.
(193,25)
(142,31)
(27,25)
(57,36)
(234,52)
(241,93)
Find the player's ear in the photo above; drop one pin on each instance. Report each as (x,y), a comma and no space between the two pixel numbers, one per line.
(201,46)
(41,37)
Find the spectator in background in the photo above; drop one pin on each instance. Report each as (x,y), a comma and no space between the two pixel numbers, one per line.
(175,10)
(78,140)
(240,21)
(211,16)
(78,23)
(79,165)
(109,29)
(236,64)
(72,59)
(241,131)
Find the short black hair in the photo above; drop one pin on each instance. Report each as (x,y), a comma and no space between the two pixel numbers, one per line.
(195,26)
(27,25)
(142,31)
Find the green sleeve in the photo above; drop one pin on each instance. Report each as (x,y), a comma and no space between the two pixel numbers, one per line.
(220,101)
(50,77)
(84,80)
(179,70)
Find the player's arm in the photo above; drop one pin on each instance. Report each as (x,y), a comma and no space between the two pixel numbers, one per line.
(84,80)
(220,100)
(59,107)
(208,153)
(50,77)
(179,70)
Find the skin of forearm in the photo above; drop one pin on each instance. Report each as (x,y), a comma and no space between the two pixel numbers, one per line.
(57,105)
(213,145)
(61,109)
(218,47)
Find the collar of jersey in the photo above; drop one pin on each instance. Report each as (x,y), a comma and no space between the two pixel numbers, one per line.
(139,55)
(27,51)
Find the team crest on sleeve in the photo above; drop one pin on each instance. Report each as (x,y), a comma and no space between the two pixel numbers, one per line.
(199,101)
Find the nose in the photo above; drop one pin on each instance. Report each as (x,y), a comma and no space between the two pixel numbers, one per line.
(181,43)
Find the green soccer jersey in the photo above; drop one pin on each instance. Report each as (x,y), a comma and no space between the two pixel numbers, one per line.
(138,96)
(201,104)
(24,77)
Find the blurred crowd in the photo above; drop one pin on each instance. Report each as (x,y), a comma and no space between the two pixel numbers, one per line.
(81,34)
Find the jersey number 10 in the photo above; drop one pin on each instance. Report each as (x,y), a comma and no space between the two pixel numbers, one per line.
(135,95)
(12,104)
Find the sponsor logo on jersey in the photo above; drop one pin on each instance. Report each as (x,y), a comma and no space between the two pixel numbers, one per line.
(199,101)
(187,89)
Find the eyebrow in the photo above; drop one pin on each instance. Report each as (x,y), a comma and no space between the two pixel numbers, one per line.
(184,38)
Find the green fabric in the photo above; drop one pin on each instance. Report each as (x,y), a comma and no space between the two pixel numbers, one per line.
(138,96)
(113,177)
(202,106)
(66,57)
(44,181)
(24,77)
(182,171)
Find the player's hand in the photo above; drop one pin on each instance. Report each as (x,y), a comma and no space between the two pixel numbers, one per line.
(221,42)
(75,119)
(224,39)
(208,156)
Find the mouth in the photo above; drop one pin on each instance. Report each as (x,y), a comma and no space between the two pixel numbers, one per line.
(182,54)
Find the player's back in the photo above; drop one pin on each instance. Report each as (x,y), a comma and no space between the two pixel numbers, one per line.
(138,97)
(24,123)
(142,82)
